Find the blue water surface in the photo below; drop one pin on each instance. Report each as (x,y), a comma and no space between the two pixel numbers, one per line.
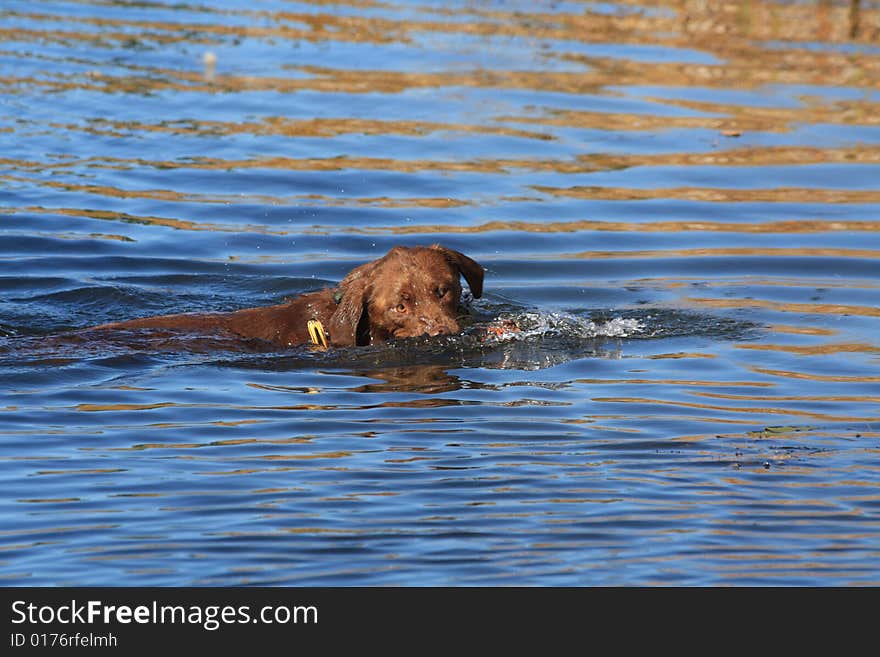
(684,226)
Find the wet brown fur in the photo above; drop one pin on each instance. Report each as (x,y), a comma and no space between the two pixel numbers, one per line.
(410,291)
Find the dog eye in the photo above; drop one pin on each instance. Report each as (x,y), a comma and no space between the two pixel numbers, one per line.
(401,308)
(441,292)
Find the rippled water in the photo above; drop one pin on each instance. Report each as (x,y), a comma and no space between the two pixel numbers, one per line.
(677,201)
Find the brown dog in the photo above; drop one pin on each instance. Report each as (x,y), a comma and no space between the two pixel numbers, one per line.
(406,293)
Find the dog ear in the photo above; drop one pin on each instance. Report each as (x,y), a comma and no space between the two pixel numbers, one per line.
(470,269)
(345,323)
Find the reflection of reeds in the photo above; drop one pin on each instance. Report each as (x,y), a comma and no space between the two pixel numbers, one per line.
(734,32)
(738,410)
(822,20)
(737,72)
(770,228)
(719,195)
(837,378)
(584,163)
(838,310)
(687,19)
(754,44)
(815,350)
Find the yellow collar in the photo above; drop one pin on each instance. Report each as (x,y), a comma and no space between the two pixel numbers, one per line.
(317,333)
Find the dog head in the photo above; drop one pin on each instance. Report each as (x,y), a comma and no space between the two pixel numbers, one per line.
(406,293)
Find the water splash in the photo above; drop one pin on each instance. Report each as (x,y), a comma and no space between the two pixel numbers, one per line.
(534,325)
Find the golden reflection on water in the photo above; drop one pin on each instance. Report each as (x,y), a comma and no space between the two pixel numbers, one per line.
(740,409)
(586,163)
(642,227)
(282,126)
(777,66)
(811,308)
(718,195)
(813,350)
(800,330)
(728,120)
(828,378)
(492,226)
(742,61)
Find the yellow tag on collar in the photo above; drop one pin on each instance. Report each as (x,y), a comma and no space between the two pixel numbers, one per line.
(316,333)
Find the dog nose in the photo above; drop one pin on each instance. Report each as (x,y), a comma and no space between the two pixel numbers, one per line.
(434,328)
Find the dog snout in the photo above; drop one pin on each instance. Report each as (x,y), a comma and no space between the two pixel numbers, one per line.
(434,327)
